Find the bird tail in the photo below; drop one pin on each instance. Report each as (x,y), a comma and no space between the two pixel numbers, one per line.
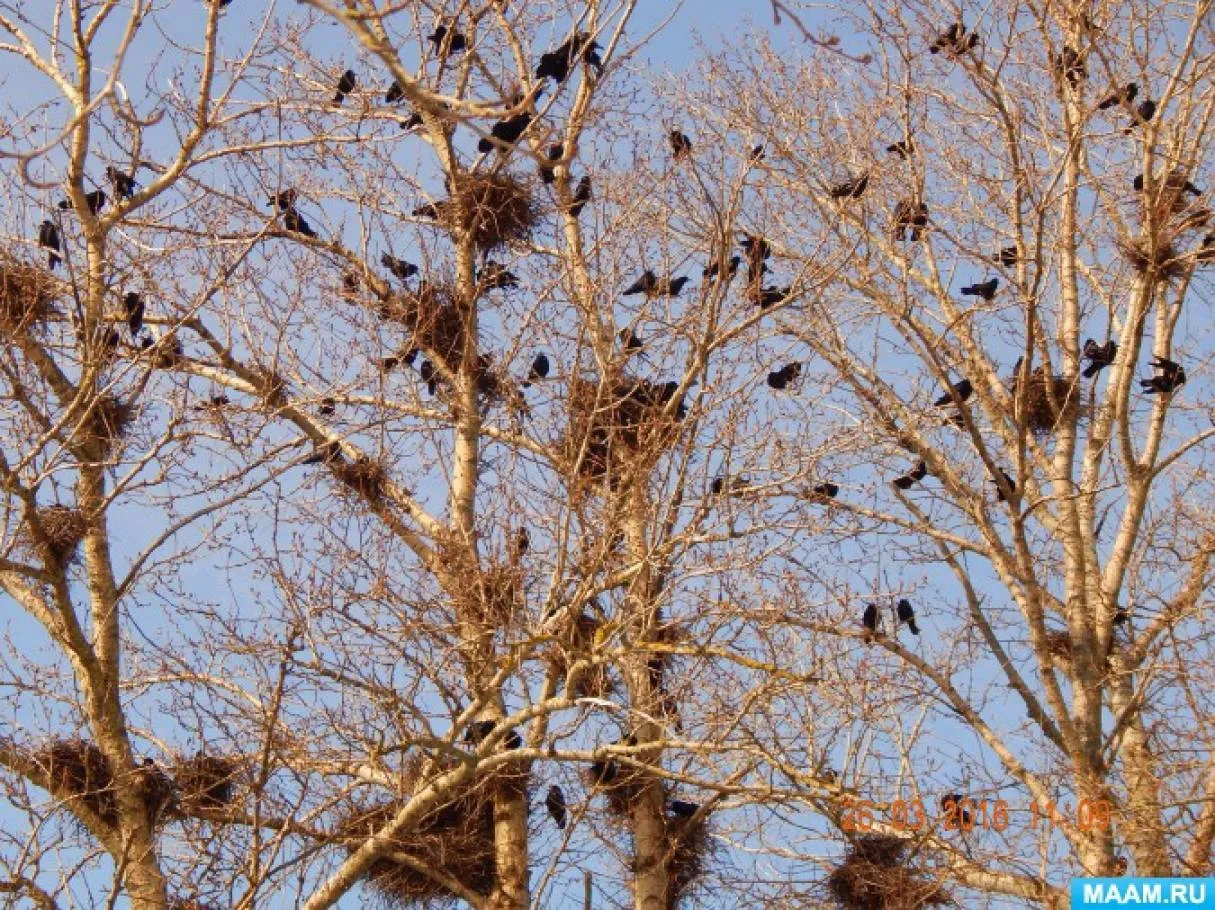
(1092,370)
(915,630)
(339,98)
(53,260)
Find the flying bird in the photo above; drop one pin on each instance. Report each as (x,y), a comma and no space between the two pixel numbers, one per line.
(959,391)
(681,145)
(985,289)
(554,802)
(539,370)
(345,86)
(48,239)
(780,379)
(1099,356)
(399,268)
(1171,378)
(1124,95)
(133,304)
(851,189)
(912,477)
(906,613)
(124,184)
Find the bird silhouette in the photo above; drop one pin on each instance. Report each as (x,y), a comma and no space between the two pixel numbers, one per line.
(294,222)
(682,809)
(651,285)
(345,86)
(714,267)
(94,202)
(556,64)
(1006,257)
(904,148)
(823,492)
(134,306)
(1121,616)
(758,153)
(427,371)
(447,40)
(124,184)
(770,296)
(395,93)
(780,379)
(399,268)
(733,485)
(539,370)
(681,145)
(495,276)
(851,189)
(630,340)
(1124,95)
(1008,479)
(906,613)
(1099,356)
(329,453)
(1143,113)
(955,41)
(1070,65)
(909,217)
(960,391)
(912,477)
(554,802)
(505,133)
(284,199)
(413,121)
(48,239)
(582,195)
(985,289)
(869,619)
(1171,378)
(555,153)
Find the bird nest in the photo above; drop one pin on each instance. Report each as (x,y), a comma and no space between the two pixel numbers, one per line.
(105,423)
(206,781)
(365,477)
(491,594)
(1049,399)
(455,839)
(874,876)
(493,209)
(80,769)
(433,316)
(1059,643)
(622,784)
(62,529)
(27,294)
(574,644)
(614,432)
(1148,257)
(688,854)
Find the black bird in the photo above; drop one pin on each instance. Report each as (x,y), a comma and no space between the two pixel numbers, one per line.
(124,184)
(539,370)
(953,803)
(555,152)
(134,306)
(427,210)
(329,453)
(823,492)
(960,391)
(955,40)
(651,285)
(496,275)
(523,541)
(478,730)
(455,41)
(851,189)
(395,93)
(1124,95)
(630,340)
(771,296)
(986,289)
(213,403)
(1099,356)
(1142,114)
(904,149)
(345,86)
(729,485)
(757,249)
(554,802)
(780,379)
(714,267)
(1171,378)
(1206,252)
(427,372)
(682,809)
(910,217)
(95,201)
(869,619)
(681,145)
(294,222)
(412,121)
(1008,479)
(556,64)
(284,199)
(914,476)
(48,239)
(506,132)
(398,267)
(328,407)
(906,613)
(582,195)
(1006,257)
(1121,616)
(757,154)
(1070,65)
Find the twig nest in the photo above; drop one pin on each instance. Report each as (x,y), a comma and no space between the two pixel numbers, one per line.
(63,528)
(574,642)
(105,423)
(27,294)
(493,209)
(80,769)
(365,477)
(1049,400)
(1149,257)
(688,855)
(874,876)
(206,781)
(492,594)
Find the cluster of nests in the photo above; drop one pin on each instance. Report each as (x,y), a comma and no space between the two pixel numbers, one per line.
(455,839)
(1167,212)
(1049,399)
(80,769)
(27,296)
(618,426)
(875,876)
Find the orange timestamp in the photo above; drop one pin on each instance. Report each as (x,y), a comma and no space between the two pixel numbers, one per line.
(960,813)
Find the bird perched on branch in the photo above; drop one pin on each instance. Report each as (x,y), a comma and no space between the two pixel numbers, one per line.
(955,41)
(556,64)
(1124,95)
(909,216)
(124,184)
(1070,65)
(681,145)
(1171,378)
(505,133)
(960,391)
(496,276)
(133,304)
(48,239)
(770,296)
(399,268)
(555,153)
(906,613)
(539,370)
(554,802)
(395,93)
(851,189)
(1008,479)
(780,379)
(1099,356)
(1006,257)
(582,195)
(823,492)
(985,289)
(714,268)
(912,477)
(294,222)
(904,148)
(345,85)
(447,40)
(1143,113)
(94,202)
(284,199)
(869,619)
(682,809)
(651,285)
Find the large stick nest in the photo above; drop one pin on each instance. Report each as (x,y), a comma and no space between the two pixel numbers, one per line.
(874,876)
(688,855)
(621,783)
(492,595)
(1049,400)
(574,643)
(81,769)
(27,295)
(614,432)
(365,477)
(105,423)
(1149,257)
(62,528)
(456,839)
(493,209)
(206,781)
